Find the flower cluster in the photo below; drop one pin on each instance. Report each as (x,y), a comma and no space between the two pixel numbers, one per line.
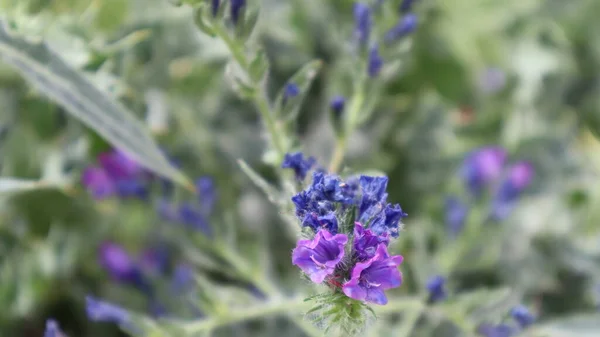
(348,225)
(486,170)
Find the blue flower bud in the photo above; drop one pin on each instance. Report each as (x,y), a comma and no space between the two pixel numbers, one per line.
(52,329)
(436,288)
(406,6)
(236,8)
(291,91)
(407,25)
(522,315)
(375,62)
(455,215)
(337,105)
(363,23)
(100,311)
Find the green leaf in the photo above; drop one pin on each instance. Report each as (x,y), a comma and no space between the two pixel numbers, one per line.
(54,78)
(585,325)
(303,78)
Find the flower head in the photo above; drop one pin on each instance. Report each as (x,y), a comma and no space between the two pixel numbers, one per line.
(406,6)
(192,217)
(298,163)
(121,266)
(375,62)
(407,25)
(100,311)
(522,315)
(436,287)
(362,23)
(120,165)
(319,257)
(52,329)
(366,242)
(483,166)
(369,279)
(208,194)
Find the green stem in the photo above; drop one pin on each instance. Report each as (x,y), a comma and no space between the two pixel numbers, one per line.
(259,97)
(232,317)
(350,124)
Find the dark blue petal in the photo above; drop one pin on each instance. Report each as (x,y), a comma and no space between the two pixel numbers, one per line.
(375,62)
(362,22)
(236,8)
(52,329)
(436,288)
(100,311)
(522,315)
(407,25)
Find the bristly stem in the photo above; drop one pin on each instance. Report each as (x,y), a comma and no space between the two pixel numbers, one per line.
(259,97)
(350,124)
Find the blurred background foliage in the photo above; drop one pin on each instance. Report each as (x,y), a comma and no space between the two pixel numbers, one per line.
(522,74)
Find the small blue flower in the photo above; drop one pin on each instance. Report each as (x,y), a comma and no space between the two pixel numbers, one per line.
(193,218)
(373,194)
(296,162)
(52,329)
(456,214)
(519,177)
(236,9)
(500,330)
(337,105)
(436,287)
(407,25)
(362,22)
(183,278)
(375,62)
(100,311)
(291,91)
(215,7)
(482,167)
(406,6)
(522,316)
(316,222)
(208,194)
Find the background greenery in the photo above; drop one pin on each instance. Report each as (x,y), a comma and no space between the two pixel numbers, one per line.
(151,56)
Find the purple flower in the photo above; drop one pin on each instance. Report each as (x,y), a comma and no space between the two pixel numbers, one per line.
(127,188)
(407,25)
(436,288)
(291,91)
(236,9)
(375,62)
(214,6)
(337,105)
(366,242)
(319,256)
(98,183)
(500,330)
(121,266)
(193,218)
(362,23)
(371,278)
(456,214)
(316,222)
(519,177)
(155,260)
(522,315)
(118,165)
(372,193)
(483,166)
(52,329)
(296,162)
(100,311)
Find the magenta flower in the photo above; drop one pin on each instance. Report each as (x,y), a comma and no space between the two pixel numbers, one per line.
(319,256)
(371,278)
(482,167)
(98,183)
(366,242)
(119,165)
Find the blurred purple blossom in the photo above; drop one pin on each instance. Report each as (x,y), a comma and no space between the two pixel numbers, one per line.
(436,286)
(363,23)
(52,329)
(100,311)
(483,166)
(522,316)
(375,62)
(519,177)
(404,27)
(456,212)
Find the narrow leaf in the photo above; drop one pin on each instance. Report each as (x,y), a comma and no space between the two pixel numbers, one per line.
(47,72)
(267,188)
(10,186)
